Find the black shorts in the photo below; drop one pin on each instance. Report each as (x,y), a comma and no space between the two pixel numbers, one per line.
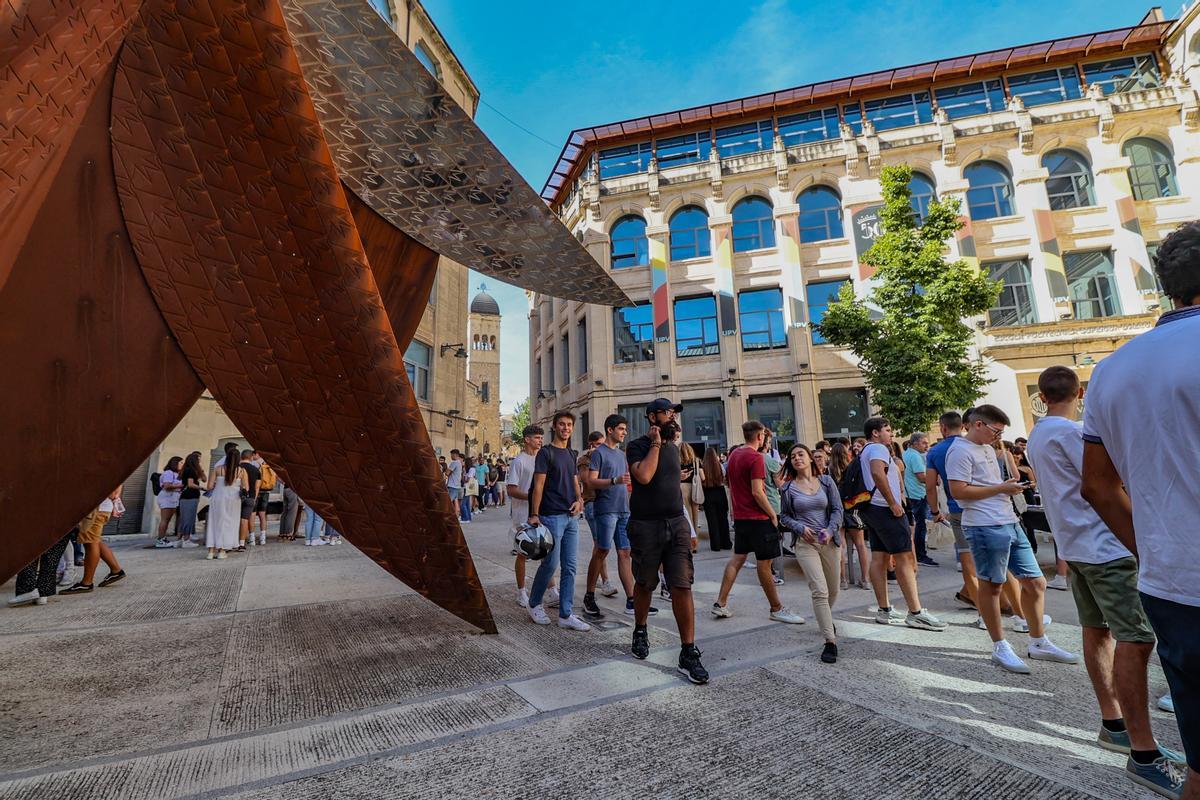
(248,504)
(665,543)
(1179,653)
(264,497)
(756,536)
(886,532)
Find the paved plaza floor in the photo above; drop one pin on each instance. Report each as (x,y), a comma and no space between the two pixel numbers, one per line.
(297,672)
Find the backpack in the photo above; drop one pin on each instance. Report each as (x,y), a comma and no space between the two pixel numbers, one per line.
(156,482)
(853,487)
(267,479)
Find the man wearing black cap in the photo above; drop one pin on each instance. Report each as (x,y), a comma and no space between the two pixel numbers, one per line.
(659,534)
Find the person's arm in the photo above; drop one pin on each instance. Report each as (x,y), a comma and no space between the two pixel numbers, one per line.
(879,475)
(643,471)
(961,490)
(931,493)
(212,479)
(836,513)
(1104,490)
(785,519)
(758,488)
(515,490)
(577,507)
(535,495)
(243,478)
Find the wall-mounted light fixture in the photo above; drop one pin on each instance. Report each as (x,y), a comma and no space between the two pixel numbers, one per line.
(734,392)
(459,353)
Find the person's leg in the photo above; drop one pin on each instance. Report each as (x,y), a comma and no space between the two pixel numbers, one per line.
(519,569)
(969,587)
(767,581)
(164,520)
(47,578)
(1033,604)
(906,578)
(732,568)
(987,600)
(91,559)
(568,551)
(809,558)
(1099,656)
(109,557)
(879,583)
(831,559)
(603,527)
(27,578)
(919,508)
(1023,564)
(990,548)
(541,579)
(1129,664)
(1179,653)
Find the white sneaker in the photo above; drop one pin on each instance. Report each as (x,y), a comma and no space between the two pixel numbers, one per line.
(1165,703)
(893,616)
(163,544)
(1047,650)
(924,621)
(1058,582)
(573,623)
(778,579)
(220,554)
(721,612)
(210,555)
(1021,626)
(67,578)
(262,540)
(552,598)
(538,615)
(187,544)
(788,616)
(607,589)
(523,598)
(979,623)
(750,565)
(1002,654)
(316,543)
(251,543)
(28,598)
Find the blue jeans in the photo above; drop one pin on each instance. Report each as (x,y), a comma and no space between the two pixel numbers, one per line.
(918,509)
(312,526)
(1000,549)
(464,508)
(611,527)
(565,529)
(589,514)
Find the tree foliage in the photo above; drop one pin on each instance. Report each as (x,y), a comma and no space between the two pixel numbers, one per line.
(520,419)
(915,356)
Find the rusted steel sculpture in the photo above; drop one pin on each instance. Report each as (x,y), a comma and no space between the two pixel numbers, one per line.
(173,217)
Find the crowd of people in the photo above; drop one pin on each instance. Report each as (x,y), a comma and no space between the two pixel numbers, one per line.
(475,482)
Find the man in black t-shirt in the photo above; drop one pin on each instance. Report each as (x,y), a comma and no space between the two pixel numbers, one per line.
(250,498)
(659,534)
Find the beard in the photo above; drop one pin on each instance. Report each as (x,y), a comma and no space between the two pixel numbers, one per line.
(669,431)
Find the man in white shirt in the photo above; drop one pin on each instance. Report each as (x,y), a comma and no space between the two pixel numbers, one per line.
(454,481)
(1141,432)
(998,544)
(888,532)
(520,480)
(1104,582)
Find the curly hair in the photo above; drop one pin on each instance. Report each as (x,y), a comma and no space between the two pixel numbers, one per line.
(1177,263)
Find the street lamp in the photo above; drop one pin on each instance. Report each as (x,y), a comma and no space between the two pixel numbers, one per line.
(459,353)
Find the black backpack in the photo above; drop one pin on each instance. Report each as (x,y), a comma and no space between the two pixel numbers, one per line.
(853,487)
(156,482)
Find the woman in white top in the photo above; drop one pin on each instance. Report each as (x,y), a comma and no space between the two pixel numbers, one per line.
(170,487)
(226,485)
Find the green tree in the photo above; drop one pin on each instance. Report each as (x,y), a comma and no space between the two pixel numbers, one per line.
(520,419)
(915,356)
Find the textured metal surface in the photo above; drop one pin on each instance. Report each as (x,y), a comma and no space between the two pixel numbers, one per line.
(403,145)
(245,236)
(92,379)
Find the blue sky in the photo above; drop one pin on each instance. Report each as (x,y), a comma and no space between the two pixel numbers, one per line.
(554,67)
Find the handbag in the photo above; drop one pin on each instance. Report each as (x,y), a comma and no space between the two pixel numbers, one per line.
(698,486)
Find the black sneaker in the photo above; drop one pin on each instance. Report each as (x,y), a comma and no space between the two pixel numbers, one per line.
(629,610)
(590,609)
(829,654)
(641,642)
(891,576)
(112,578)
(927,561)
(689,664)
(79,588)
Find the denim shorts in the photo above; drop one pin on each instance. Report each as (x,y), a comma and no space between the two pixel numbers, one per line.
(455,492)
(609,527)
(1000,549)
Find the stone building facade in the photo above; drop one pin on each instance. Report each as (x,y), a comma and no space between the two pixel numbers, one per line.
(733,225)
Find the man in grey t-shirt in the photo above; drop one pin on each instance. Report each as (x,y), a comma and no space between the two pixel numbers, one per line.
(454,474)
(608,476)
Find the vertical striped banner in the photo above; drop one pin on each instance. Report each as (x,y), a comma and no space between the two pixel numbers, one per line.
(1129,243)
(658,288)
(723,247)
(1052,261)
(791,278)
(964,237)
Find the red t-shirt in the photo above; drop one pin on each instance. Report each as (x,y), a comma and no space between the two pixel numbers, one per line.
(744,465)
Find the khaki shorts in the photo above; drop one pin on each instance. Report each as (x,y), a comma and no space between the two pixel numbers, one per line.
(1107,597)
(92,526)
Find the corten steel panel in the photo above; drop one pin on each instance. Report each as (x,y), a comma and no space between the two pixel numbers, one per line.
(67,45)
(93,380)
(244,234)
(403,145)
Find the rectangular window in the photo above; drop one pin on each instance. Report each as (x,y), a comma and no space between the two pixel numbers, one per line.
(550,384)
(582,343)
(777,412)
(538,374)
(971,99)
(760,314)
(703,422)
(811,126)
(585,430)
(627,160)
(819,296)
(1015,304)
(417,359)
(901,111)
(633,334)
(565,350)
(753,137)
(852,116)
(635,417)
(843,412)
(686,149)
(696,327)
(1092,284)
(485,393)
(1123,74)
(1046,86)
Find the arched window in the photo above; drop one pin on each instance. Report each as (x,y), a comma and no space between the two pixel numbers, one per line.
(922,194)
(820,214)
(991,191)
(628,243)
(1070,181)
(1151,170)
(753,225)
(689,234)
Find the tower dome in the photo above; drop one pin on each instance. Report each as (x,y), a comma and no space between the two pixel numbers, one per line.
(484,303)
